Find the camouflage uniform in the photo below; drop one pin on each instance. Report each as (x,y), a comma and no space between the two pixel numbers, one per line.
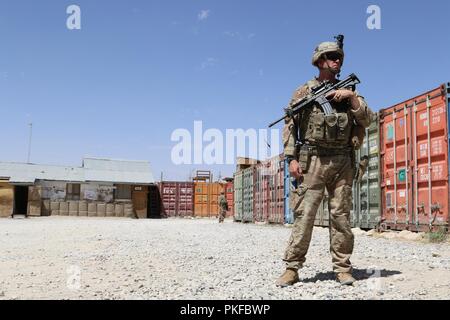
(223,207)
(326,158)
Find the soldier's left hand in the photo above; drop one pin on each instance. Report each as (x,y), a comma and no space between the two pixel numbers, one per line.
(341,94)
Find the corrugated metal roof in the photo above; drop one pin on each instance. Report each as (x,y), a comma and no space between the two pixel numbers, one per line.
(93,170)
(111,170)
(29,173)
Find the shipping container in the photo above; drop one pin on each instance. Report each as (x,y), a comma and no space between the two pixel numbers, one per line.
(247,192)
(201,199)
(177,198)
(229,194)
(206,198)
(238,195)
(366,213)
(214,193)
(268,192)
(414,150)
(276,191)
(261,191)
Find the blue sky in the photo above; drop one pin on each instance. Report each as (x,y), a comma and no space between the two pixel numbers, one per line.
(137,70)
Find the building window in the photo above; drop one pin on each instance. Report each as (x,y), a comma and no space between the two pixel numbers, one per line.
(73,191)
(123,192)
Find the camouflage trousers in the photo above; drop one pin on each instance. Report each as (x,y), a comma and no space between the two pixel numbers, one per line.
(222,214)
(336,174)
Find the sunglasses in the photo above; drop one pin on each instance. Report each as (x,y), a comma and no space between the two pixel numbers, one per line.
(333,56)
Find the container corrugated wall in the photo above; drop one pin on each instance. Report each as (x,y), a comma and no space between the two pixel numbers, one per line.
(276,190)
(201,207)
(248,183)
(261,192)
(214,192)
(268,191)
(206,198)
(169,198)
(177,198)
(229,194)
(414,138)
(366,213)
(238,195)
(185,206)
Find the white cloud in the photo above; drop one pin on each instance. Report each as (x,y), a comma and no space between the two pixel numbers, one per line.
(210,62)
(251,35)
(203,15)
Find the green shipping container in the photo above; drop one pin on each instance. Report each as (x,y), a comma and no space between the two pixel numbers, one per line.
(366,211)
(248,183)
(238,195)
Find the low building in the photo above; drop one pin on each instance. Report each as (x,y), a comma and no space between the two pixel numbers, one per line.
(100,187)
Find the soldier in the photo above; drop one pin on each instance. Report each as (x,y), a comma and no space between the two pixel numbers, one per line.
(320,154)
(223,205)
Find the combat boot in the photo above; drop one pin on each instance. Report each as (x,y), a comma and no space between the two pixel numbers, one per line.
(345,278)
(288,278)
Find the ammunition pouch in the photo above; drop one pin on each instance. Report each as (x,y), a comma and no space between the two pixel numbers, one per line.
(332,128)
(304,159)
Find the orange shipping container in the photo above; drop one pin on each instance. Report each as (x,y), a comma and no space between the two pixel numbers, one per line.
(206,199)
(415,162)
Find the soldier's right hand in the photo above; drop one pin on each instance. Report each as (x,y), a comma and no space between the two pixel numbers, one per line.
(295,170)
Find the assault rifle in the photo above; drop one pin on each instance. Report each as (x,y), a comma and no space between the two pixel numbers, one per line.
(318,96)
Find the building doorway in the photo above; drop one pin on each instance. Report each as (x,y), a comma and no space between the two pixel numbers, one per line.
(20,200)
(154,202)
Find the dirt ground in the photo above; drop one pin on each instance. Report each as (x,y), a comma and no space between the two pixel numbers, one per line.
(118,258)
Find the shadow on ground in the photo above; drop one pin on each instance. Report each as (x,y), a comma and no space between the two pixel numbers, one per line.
(358,274)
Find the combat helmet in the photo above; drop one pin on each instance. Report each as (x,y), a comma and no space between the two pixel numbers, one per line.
(326,47)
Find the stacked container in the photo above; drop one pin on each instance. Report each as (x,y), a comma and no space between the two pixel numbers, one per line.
(238,195)
(366,212)
(276,190)
(247,194)
(261,191)
(414,162)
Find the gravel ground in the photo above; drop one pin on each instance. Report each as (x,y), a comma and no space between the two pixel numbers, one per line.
(113,258)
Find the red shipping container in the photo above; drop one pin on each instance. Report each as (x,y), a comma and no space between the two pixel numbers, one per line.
(268,197)
(177,198)
(415,163)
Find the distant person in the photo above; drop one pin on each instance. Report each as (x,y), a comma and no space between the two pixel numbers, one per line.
(223,207)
